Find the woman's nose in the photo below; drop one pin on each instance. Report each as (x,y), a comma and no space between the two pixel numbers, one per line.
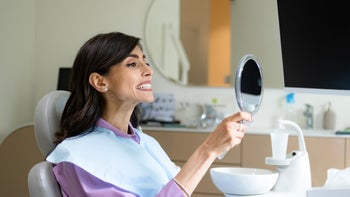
(147,69)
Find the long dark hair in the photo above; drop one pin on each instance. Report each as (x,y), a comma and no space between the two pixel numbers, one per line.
(85,105)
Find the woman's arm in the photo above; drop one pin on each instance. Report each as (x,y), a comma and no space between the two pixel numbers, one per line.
(228,134)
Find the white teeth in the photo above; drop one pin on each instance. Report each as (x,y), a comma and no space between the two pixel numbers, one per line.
(145,86)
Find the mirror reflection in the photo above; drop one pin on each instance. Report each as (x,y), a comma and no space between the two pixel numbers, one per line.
(206,34)
(190,46)
(178,35)
(249,84)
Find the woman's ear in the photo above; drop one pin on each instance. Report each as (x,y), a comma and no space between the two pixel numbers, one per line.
(98,82)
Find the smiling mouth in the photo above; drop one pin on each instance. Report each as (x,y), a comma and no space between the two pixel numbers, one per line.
(146,86)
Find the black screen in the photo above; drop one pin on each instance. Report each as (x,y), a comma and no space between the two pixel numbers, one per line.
(315,43)
(64,75)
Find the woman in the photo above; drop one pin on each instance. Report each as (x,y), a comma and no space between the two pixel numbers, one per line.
(101,152)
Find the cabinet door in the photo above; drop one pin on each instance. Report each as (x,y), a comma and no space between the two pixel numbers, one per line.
(180,145)
(347,151)
(324,153)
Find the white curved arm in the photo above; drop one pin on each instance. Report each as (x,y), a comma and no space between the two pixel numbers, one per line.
(301,140)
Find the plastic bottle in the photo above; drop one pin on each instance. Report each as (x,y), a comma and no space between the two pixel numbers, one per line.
(290,112)
(329,118)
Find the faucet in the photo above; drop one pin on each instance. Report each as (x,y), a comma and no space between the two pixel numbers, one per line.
(308,113)
(210,116)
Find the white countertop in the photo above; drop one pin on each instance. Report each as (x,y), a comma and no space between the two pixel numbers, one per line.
(250,131)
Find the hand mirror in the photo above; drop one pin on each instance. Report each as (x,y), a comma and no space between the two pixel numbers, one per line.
(248,86)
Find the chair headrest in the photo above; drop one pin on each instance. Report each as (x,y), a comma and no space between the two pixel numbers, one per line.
(47,119)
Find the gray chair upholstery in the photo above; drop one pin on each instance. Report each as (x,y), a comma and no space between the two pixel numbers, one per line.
(42,181)
(48,112)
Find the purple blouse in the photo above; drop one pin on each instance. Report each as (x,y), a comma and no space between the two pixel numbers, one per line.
(75,181)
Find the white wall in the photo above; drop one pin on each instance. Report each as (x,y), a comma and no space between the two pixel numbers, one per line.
(17,40)
(63,26)
(39,36)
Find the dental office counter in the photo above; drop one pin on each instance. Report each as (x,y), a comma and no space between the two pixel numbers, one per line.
(326,150)
(250,130)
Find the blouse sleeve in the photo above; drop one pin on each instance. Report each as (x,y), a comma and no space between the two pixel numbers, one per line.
(171,189)
(74,181)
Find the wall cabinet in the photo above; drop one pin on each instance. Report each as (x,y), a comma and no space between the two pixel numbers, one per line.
(324,153)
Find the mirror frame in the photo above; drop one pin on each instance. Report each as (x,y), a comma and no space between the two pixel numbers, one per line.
(239,71)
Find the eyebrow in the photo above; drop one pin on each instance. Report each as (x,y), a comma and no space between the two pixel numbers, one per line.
(136,56)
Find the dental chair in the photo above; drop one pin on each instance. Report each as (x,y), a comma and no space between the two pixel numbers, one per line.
(48,112)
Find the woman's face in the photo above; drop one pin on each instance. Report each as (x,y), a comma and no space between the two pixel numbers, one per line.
(130,81)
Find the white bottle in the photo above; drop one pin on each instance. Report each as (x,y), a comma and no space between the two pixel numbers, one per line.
(329,118)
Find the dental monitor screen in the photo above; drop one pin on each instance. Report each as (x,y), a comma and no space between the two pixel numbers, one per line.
(315,44)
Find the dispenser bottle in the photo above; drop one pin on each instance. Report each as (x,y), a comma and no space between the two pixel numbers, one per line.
(290,112)
(329,118)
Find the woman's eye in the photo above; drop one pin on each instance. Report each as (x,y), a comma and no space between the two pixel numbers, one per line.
(132,65)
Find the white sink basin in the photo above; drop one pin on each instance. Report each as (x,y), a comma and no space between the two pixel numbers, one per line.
(243,181)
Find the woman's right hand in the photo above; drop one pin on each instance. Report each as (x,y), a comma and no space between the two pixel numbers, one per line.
(228,133)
